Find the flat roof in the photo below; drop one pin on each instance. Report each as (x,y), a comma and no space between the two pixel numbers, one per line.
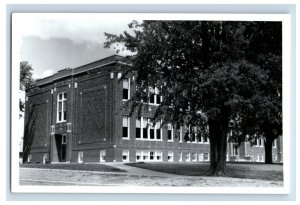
(74,71)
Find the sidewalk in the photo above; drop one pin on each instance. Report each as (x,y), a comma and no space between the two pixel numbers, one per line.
(138,171)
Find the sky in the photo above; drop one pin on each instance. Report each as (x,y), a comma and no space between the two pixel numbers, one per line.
(53,42)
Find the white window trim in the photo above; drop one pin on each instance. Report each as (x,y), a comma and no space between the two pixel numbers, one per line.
(207,156)
(181,134)
(196,159)
(155,97)
(188,157)
(52,129)
(102,154)
(201,155)
(125,151)
(180,157)
(261,142)
(274,143)
(128,89)
(141,155)
(128,128)
(80,155)
(171,154)
(172,133)
(148,131)
(69,124)
(62,107)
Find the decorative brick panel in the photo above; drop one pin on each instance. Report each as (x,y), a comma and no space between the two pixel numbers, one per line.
(92,116)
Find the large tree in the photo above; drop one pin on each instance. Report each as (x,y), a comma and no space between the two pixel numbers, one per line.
(202,71)
(265,117)
(26,81)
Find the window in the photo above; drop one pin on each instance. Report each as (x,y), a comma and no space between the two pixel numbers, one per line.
(125,156)
(145,130)
(259,142)
(180,157)
(194,157)
(274,143)
(138,128)
(170,132)
(102,155)
(151,155)
(235,149)
(180,134)
(149,130)
(158,132)
(138,155)
(158,155)
(154,97)
(152,131)
(29,158)
(125,127)
(45,157)
(201,158)
(126,89)
(52,129)
(170,156)
(69,126)
(206,156)
(188,157)
(145,155)
(80,157)
(62,107)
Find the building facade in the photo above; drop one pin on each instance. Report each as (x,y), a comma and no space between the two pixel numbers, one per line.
(78,116)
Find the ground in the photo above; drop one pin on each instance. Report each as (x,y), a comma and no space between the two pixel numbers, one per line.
(133,176)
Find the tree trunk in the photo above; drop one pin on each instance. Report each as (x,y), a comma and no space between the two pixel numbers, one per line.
(218,145)
(268,150)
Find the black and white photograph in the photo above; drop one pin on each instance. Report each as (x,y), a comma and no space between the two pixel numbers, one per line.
(150,103)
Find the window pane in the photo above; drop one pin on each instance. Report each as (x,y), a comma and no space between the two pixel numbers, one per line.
(151,98)
(125,83)
(60,96)
(145,134)
(157,99)
(65,115)
(125,132)
(158,134)
(59,116)
(65,95)
(125,121)
(169,135)
(64,105)
(125,94)
(138,122)
(138,133)
(151,133)
(59,106)
(145,122)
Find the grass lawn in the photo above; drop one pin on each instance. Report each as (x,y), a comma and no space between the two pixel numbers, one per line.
(83,167)
(272,172)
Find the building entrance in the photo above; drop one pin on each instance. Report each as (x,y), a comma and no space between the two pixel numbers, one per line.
(61,147)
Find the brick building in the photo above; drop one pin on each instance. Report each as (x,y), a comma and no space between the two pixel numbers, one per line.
(77,115)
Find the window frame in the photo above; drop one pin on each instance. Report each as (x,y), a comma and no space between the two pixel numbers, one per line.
(128,127)
(128,89)
(127,155)
(63,113)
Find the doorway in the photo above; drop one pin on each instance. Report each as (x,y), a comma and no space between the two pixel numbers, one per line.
(61,147)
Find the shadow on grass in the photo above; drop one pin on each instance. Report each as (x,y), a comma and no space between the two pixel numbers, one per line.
(273,172)
(82,167)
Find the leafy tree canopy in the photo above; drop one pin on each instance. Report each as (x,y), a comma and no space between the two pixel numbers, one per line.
(209,73)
